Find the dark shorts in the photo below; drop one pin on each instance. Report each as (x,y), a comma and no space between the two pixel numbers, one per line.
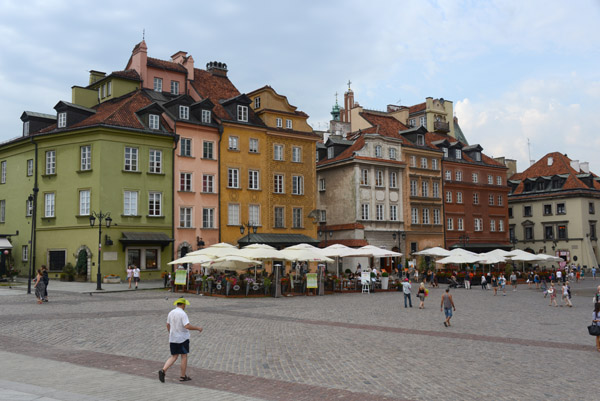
(136,279)
(180,348)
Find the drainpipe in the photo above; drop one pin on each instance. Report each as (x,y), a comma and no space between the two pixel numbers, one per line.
(33,216)
(173,198)
(219,181)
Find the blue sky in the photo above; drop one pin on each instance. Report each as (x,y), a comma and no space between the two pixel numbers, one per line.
(515,70)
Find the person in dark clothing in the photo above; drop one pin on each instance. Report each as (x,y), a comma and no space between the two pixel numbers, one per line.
(46,280)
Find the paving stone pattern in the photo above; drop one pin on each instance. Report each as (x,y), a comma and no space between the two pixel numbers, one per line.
(350,346)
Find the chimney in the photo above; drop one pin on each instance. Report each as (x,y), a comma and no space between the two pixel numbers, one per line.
(96,76)
(585,167)
(139,61)
(186,61)
(575,165)
(217,68)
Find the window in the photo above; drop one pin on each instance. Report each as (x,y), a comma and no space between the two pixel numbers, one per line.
(448,175)
(233,178)
(257,102)
(426,216)
(297,218)
(321,184)
(145,258)
(393,179)
(174,87)
(130,202)
(364,209)
(28,207)
(476,198)
(501,225)
(184,112)
(527,211)
(253,145)
(155,161)
(109,88)
(498,180)
(413,161)
(445,150)
(186,147)
(3,172)
(490,179)
(436,216)
(278,152)
(86,157)
(477,156)
(448,196)
(434,164)
(378,151)
(62,119)
(233,214)
(436,190)
(154,204)
(131,159)
(279,217)
(411,122)
(25,253)
(492,225)
(510,212)
(297,154)
(459,197)
(414,185)
(500,200)
(297,185)
(208,150)
(547,210)
(457,154)
(392,153)
(2,211)
(206,116)
(491,200)
(208,218)
(185,182)
(49,205)
(528,233)
(185,217)
(84,202)
(278,184)
(50,162)
(322,215)
(29,167)
(414,215)
(254,215)
(548,232)
(420,139)
(57,259)
(208,183)
(233,143)
(478,224)
(330,152)
(562,232)
(279,122)
(242,113)
(422,121)
(153,121)
(423,162)
(475,177)
(379,212)
(460,224)
(253,179)
(560,208)
(379,178)
(26,128)
(591,209)
(157,84)
(364,177)
(394,212)
(288,124)
(449,224)
(458,176)
(424,188)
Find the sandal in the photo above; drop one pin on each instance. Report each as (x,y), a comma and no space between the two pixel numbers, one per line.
(185,378)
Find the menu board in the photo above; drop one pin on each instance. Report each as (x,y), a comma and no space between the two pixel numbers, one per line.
(180,277)
(311,280)
(365,278)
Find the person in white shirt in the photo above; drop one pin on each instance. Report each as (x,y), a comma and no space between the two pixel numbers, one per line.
(136,276)
(406,287)
(129,274)
(178,326)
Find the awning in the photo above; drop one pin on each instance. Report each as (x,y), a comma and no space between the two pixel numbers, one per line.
(278,241)
(145,238)
(5,243)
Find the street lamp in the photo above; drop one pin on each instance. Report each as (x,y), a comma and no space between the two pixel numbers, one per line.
(401,235)
(514,240)
(464,240)
(106,217)
(330,233)
(251,228)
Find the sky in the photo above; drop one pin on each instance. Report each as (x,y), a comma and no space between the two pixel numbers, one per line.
(524,76)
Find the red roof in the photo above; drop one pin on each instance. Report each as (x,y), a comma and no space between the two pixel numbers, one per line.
(431,137)
(165,65)
(215,88)
(417,108)
(127,74)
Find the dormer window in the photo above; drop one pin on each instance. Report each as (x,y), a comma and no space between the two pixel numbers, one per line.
(445,152)
(242,113)
(378,151)
(26,128)
(206,116)
(279,122)
(257,102)
(158,84)
(421,140)
(109,88)
(62,119)
(330,152)
(153,121)
(457,154)
(184,112)
(477,156)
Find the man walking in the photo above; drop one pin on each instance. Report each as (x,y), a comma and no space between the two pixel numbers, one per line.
(136,276)
(467,281)
(447,306)
(46,280)
(178,326)
(406,286)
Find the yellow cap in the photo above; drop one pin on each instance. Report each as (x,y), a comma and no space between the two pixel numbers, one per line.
(181,301)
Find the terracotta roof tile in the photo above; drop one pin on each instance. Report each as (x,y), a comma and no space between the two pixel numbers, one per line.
(215,88)
(165,65)
(417,108)
(127,74)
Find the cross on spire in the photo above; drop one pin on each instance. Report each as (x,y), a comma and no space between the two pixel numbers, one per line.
(349,82)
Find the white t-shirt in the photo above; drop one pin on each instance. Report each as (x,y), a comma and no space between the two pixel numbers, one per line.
(558,274)
(136,272)
(129,273)
(177,319)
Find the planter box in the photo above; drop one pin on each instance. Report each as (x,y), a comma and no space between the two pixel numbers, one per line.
(112,280)
(384,283)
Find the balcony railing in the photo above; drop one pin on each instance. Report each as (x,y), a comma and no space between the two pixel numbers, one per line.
(441,126)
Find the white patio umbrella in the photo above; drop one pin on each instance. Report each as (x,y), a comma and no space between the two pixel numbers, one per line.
(338,251)
(231,262)
(518,255)
(436,251)
(193,259)
(374,251)
(305,255)
(217,250)
(261,252)
(459,258)
(303,246)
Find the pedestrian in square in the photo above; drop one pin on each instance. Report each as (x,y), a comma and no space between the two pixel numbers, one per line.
(447,306)
(594,272)
(467,281)
(46,281)
(39,286)
(502,283)
(129,275)
(406,287)
(513,280)
(495,285)
(421,294)
(596,321)
(552,293)
(178,326)
(566,294)
(136,276)
(483,282)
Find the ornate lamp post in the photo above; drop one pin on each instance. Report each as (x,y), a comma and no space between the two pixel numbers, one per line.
(401,235)
(330,233)
(464,240)
(106,217)
(251,228)
(514,240)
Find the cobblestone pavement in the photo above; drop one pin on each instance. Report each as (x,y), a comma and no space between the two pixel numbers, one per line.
(345,346)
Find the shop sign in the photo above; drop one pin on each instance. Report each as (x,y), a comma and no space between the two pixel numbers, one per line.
(180,277)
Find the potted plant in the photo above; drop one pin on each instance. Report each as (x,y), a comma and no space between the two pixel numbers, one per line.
(267,284)
(385,280)
(284,284)
(69,272)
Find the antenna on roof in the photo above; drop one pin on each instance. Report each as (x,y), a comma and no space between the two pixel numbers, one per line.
(399,101)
